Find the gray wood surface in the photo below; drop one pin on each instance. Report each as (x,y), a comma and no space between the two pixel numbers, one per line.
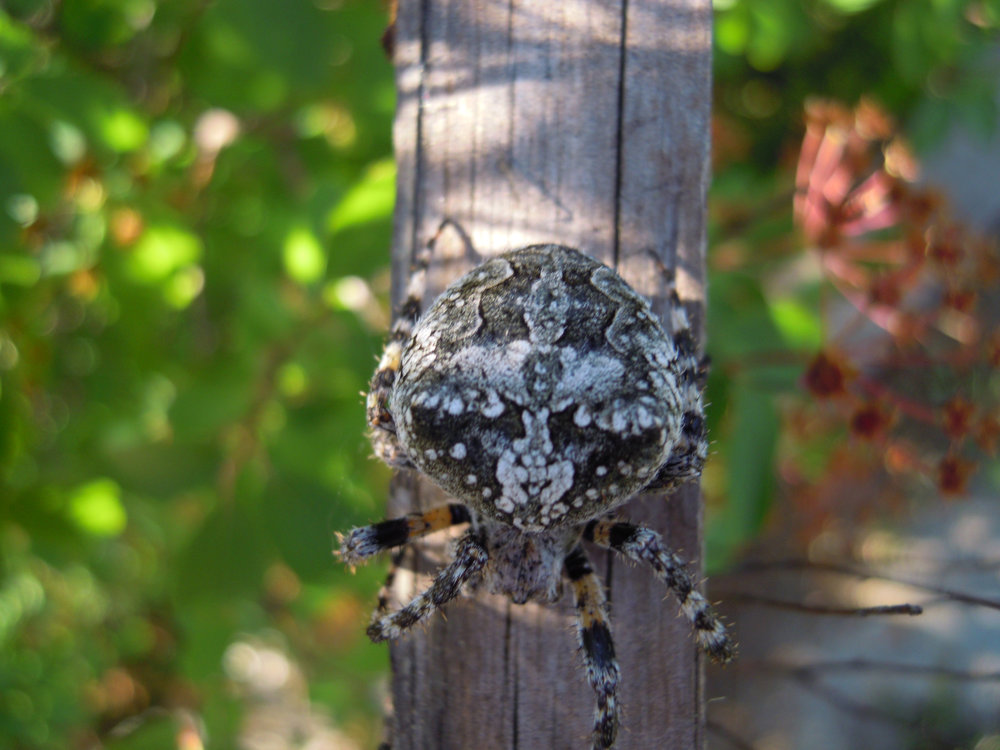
(582,122)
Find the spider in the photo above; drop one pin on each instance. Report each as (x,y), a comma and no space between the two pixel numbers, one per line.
(541,392)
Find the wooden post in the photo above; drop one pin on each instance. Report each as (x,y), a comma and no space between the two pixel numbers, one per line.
(586,123)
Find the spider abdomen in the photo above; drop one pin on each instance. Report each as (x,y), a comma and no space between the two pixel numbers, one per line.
(539,389)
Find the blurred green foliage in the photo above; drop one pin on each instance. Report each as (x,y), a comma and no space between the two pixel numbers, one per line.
(195,199)
(195,208)
(931,62)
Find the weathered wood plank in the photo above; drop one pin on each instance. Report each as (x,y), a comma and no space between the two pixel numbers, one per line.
(581,122)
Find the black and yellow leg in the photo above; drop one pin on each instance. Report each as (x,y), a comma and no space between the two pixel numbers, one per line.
(688,457)
(470,558)
(365,541)
(596,646)
(640,544)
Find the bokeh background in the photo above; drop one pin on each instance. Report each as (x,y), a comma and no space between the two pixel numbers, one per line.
(195,215)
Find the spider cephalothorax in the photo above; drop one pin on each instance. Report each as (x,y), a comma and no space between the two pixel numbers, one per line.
(542,393)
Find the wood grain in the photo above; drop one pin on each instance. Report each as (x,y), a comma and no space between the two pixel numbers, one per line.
(584,123)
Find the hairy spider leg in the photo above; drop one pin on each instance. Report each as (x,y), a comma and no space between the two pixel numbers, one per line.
(688,456)
(470,558)
(383,429)
(641,544)
(364,541)
(596,645)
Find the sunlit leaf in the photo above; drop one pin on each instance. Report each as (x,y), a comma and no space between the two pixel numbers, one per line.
(303,256)
(292,379)
(183,286)
(371,198)
(97,509)
(163,249)
(774,28)
(851,6)
(799,325)
(732,30)
(122,129)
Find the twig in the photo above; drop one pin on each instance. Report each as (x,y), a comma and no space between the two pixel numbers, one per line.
(809,676)
(844,703)
(869,665)
(819,609)
(246,429)
(850,570)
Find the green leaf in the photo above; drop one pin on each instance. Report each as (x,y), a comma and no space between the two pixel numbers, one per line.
(27,164)
(162,250)
(748,450)
(298,519)
(21,270)
(371,198)
(100,23)
(799,324)
(303,256)
(96,508)
(122,129)
(851,6)
(213,400)
(19,53)
(227,557)
(739,320)
(732,29)
(95,105)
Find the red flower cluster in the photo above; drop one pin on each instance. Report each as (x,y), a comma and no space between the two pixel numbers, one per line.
(911,364)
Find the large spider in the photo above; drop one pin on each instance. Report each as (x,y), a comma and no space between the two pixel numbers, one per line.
(541,392)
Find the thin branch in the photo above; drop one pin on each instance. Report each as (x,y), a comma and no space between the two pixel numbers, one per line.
(943,563)
(849,705)
(856,572)
(819,609)
(869,665)
(246,441)
(809,676)
(971,564)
